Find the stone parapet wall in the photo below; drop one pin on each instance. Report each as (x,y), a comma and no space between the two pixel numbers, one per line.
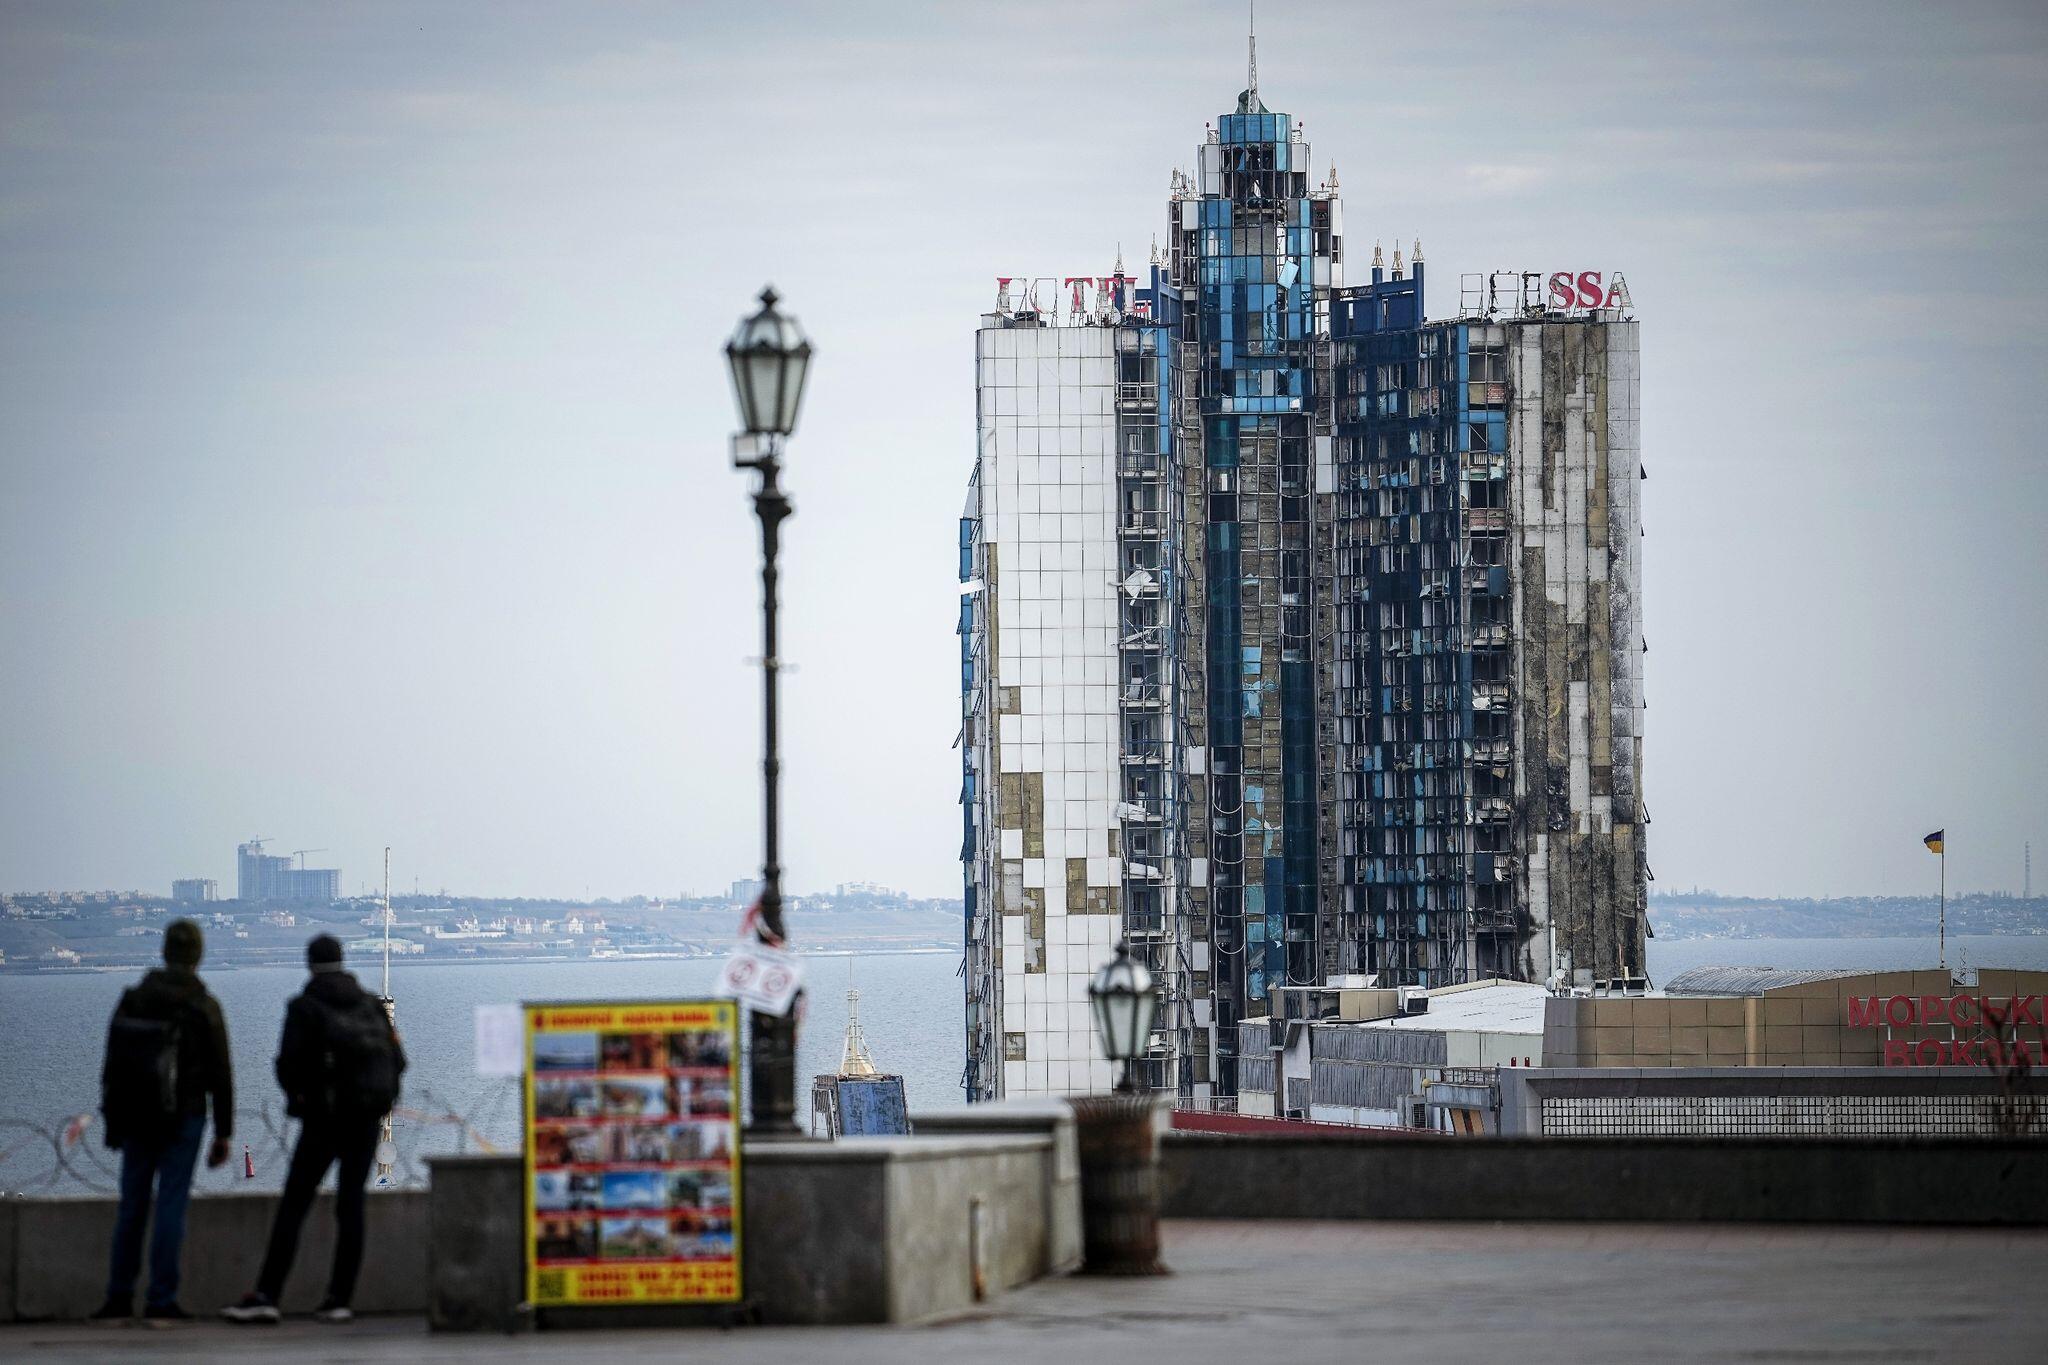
(1750,1180)
(53,1254)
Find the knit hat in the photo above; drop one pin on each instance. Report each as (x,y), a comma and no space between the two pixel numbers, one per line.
(184,945)
(323,954)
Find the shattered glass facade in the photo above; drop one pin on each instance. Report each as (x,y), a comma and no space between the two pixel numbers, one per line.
(1255,247)
(1298,636)
(1488,652)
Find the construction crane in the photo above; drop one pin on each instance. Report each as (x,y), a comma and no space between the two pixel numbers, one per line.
(300,854)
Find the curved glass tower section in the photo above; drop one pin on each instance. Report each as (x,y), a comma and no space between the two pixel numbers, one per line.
(1254,252)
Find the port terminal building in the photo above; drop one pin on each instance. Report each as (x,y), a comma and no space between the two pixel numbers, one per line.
(1717,1051)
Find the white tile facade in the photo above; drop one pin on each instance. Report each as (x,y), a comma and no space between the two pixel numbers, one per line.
(1047,428)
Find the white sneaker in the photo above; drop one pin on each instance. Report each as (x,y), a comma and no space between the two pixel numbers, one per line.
(334,1313)
(253,1308)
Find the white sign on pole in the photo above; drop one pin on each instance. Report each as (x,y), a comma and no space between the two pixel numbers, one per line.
(500,1040)
(762,978)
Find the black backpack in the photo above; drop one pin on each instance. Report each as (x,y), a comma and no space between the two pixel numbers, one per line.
(360,1057)
(139,1086)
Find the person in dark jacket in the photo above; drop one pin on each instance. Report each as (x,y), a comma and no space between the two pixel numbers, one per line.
(163,1148)
(338,1062)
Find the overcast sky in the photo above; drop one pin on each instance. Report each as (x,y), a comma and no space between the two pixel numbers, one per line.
(362,418)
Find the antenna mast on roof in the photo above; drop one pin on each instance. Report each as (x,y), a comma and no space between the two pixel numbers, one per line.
(1251,74)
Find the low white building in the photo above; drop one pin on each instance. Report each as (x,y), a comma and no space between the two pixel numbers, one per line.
(372,945)
(1353,1054)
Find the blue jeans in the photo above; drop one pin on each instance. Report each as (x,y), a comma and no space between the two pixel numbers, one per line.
(168,1162)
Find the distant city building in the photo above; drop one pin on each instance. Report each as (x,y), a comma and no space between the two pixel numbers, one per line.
(865,889)
(256,872)
(372,945)
(745,891)
(260,876)
(1299,635)
(195,890)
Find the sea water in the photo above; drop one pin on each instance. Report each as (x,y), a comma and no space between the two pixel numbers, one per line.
(53,1027)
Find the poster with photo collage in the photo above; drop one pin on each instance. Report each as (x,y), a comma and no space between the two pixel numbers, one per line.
(632,1153)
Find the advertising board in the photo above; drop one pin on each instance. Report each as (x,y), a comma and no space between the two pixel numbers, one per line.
(632,1153)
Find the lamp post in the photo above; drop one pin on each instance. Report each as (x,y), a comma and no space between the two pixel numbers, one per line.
(770,358)
(1121,997)
(1115,1133)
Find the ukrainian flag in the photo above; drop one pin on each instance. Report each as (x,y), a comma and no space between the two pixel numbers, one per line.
(1934,841)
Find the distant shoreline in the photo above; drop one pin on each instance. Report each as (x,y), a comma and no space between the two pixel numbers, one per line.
(361,962)
(416,960)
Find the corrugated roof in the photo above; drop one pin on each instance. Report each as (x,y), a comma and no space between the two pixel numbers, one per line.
(1751,980)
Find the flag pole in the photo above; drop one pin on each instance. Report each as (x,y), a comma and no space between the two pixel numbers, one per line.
(1942,921)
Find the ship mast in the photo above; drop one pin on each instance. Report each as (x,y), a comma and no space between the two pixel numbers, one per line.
(853,1057)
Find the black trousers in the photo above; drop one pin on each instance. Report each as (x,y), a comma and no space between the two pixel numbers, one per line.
(350,1140)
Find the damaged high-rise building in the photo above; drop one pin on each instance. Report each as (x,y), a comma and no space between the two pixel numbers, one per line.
(1299,634)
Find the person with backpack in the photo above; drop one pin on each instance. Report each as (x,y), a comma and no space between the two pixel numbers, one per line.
(166,1057)
(339,1062)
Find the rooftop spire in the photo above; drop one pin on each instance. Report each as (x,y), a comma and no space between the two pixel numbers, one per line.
(1248,101)
(1251,74)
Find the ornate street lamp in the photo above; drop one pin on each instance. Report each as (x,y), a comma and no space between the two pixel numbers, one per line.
(1117,1135)
(770,358)
(1121,997)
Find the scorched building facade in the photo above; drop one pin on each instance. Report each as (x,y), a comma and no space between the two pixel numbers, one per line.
(1298,633)
(1489,650)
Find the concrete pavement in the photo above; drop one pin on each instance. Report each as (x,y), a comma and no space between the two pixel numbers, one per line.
(1527,1292)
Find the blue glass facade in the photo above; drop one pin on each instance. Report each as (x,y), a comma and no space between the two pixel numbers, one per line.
(1255,249)
(1420,616)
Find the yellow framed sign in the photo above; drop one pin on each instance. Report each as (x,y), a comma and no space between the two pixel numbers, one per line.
(632,1153)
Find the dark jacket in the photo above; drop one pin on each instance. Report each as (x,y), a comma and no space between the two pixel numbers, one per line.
(205,1069)
(302,1061)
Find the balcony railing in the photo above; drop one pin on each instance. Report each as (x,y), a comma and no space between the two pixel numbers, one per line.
(1142,694)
